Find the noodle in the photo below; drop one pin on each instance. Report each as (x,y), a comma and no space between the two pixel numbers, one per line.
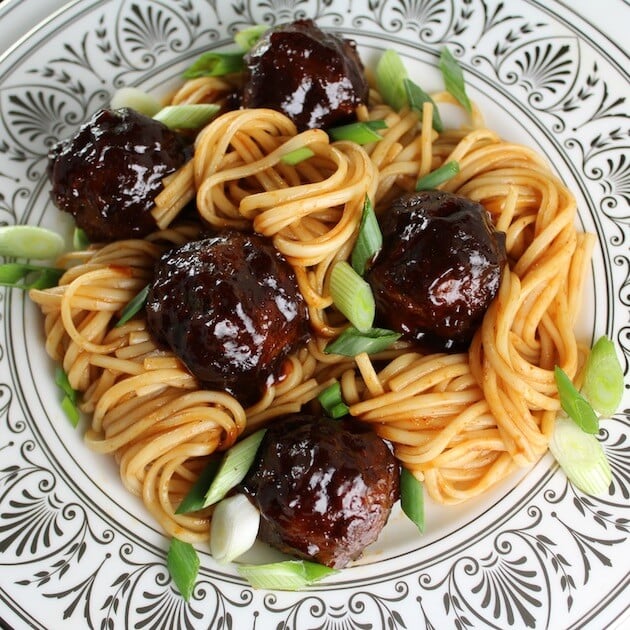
(460,422)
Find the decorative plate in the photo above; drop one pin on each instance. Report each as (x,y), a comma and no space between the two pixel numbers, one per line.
(77,551)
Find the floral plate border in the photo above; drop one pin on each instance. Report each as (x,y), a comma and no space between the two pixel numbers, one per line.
(73,549)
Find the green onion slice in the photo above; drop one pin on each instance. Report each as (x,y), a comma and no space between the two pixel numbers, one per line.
(412,498)
(71,410)
(70,398)
(438,177)
(574,404)
(134,305)
(247,37)
(136,99)
(288,575)
(234,527)
(359,132)
(352,295)
(215,64)
(196,496)
(369,240)
(454,78)
(182,561)
(603,378)
(191,116)
(234,465)
(30,241)
(352,341)
(581,456)
(331,401)
(25,276)
(80,239)
(296,156)
(390,73)
(417,97)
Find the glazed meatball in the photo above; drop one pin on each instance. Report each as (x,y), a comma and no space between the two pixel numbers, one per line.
(229,307)
(324,487)
(108,174)
(438,270)
(314,78)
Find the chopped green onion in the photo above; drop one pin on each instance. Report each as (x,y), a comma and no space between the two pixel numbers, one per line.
(412,498)
(134,305)
(196,496)
(454,78)
(369,240)
(352,341)
(182,561)
(416,97)
(234,528)
(298,155)
(215,64)
(331,401)
(288,575)
(581,456)
(390,73)
(234,465)
(71,396)
(191,116)
(25,276)
(80,239)
(438,177)
(603,378)
(30,241)
(574,404)
(247,37)
(352,295)
(359,132)
(136,99)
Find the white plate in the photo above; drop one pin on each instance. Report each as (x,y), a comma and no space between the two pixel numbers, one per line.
(77,551)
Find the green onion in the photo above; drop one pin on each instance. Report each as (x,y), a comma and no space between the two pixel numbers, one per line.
(369,239)
(30,241)
(235,463)
(134,305)
(352,341)
(192,116)
(574,404)
(195,498)
(214,64)
(390,73)
(247,37)
(352,295)
(298,155)
(412,498)
(416,97)
(80,239)
(331,401)
(454,78)
(581,456)
(70,399)
(438,177)
(182,561)
(25,276)
(359,132)
(234,528)
(136,99)
(288,575)
(603,378)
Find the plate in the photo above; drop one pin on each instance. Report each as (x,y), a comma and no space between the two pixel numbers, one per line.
(77,551)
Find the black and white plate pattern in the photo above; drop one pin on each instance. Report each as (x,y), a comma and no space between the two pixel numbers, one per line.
(77,551)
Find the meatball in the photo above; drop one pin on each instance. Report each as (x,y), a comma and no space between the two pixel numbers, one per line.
(439,268)
(324,487)
(229,307)
(108,174)
(314,78)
